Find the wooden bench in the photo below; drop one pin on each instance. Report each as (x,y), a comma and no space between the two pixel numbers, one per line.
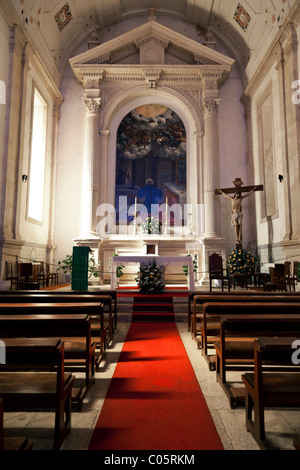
(45,297)
(199,316)
(75,294)
(12,443)
(94,309)
(234,350)
(34,378)
(74,330)
(198,298)
(270,389)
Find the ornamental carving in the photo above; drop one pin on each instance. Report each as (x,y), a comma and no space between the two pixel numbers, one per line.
(92,105)
(211,105)
(151,37)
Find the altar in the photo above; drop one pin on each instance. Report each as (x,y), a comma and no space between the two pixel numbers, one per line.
(149,260)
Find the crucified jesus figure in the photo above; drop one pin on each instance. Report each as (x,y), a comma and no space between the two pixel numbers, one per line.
(236,213)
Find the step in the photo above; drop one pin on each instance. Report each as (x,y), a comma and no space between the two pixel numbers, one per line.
(152,306)
(152,298)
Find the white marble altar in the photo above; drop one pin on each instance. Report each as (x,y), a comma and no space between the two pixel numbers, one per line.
(150,259)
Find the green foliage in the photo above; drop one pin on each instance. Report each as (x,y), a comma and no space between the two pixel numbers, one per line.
(242,262)
(119,268)
(195,263)
(150,279)
(66,265)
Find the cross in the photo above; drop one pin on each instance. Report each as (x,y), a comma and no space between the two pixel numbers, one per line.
(152,10)
(238,188)
(236,205)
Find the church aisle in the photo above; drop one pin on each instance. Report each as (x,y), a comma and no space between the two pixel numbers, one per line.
(154,400)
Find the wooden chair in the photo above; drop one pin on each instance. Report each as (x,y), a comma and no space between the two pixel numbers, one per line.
(15,279)
(277,277)
(296,267)
(216,271)
(290,278)
(53,277)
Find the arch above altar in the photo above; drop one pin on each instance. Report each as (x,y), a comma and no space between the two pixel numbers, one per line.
(151,65)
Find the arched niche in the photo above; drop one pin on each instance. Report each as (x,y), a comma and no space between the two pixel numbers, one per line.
(191,119)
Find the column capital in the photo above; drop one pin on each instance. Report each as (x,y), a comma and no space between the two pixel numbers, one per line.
(210,105)
(92,105)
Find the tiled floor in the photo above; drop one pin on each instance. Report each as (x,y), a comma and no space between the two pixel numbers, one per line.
(281,425)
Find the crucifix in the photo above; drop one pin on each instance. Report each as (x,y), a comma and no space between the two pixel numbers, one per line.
(151,11)
(236,205)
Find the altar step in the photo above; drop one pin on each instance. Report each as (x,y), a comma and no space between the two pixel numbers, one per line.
(152,308)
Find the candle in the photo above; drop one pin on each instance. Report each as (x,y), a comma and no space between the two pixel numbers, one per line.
(135,207)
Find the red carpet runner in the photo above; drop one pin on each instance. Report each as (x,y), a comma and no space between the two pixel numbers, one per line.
(152,308)
(154,401)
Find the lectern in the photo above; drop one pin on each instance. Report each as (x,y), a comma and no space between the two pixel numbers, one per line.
(80,267)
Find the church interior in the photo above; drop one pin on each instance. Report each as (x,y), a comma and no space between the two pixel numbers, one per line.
(150,178)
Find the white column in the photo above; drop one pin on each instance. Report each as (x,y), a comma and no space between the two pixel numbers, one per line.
(211,162)
(90,187)
(104,181)
(198,194)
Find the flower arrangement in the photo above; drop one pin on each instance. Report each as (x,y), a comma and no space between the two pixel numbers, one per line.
(150,279)
(151,225)
(242,262)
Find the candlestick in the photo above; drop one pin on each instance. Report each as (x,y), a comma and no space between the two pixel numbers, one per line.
(166,218)
(135,212)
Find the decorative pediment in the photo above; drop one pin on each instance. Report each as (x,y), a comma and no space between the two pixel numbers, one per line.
(150,45)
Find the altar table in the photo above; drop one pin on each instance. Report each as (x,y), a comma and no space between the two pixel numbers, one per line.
(148,260)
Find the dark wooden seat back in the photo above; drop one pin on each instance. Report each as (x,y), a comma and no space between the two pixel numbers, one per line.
(215,264)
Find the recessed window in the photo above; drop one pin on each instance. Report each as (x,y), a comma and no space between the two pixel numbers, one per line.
(37,158)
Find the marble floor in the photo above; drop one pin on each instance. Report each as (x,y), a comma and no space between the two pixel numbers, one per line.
(281,424)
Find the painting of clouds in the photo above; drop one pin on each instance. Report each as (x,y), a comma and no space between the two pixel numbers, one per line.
(151,149)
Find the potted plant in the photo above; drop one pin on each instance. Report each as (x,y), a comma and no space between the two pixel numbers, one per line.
(66,266)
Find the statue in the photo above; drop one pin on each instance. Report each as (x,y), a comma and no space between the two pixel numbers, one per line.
(236,212)
(151,194)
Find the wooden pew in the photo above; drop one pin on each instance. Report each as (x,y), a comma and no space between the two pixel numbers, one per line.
(234,350)
(214,311)
(197,298)
(12,443)
(94,309)
(270,389)
(34,377)
(79,355)
(75,294)
(45,297)
(266,297)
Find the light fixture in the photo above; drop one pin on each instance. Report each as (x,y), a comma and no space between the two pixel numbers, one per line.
(24,178)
